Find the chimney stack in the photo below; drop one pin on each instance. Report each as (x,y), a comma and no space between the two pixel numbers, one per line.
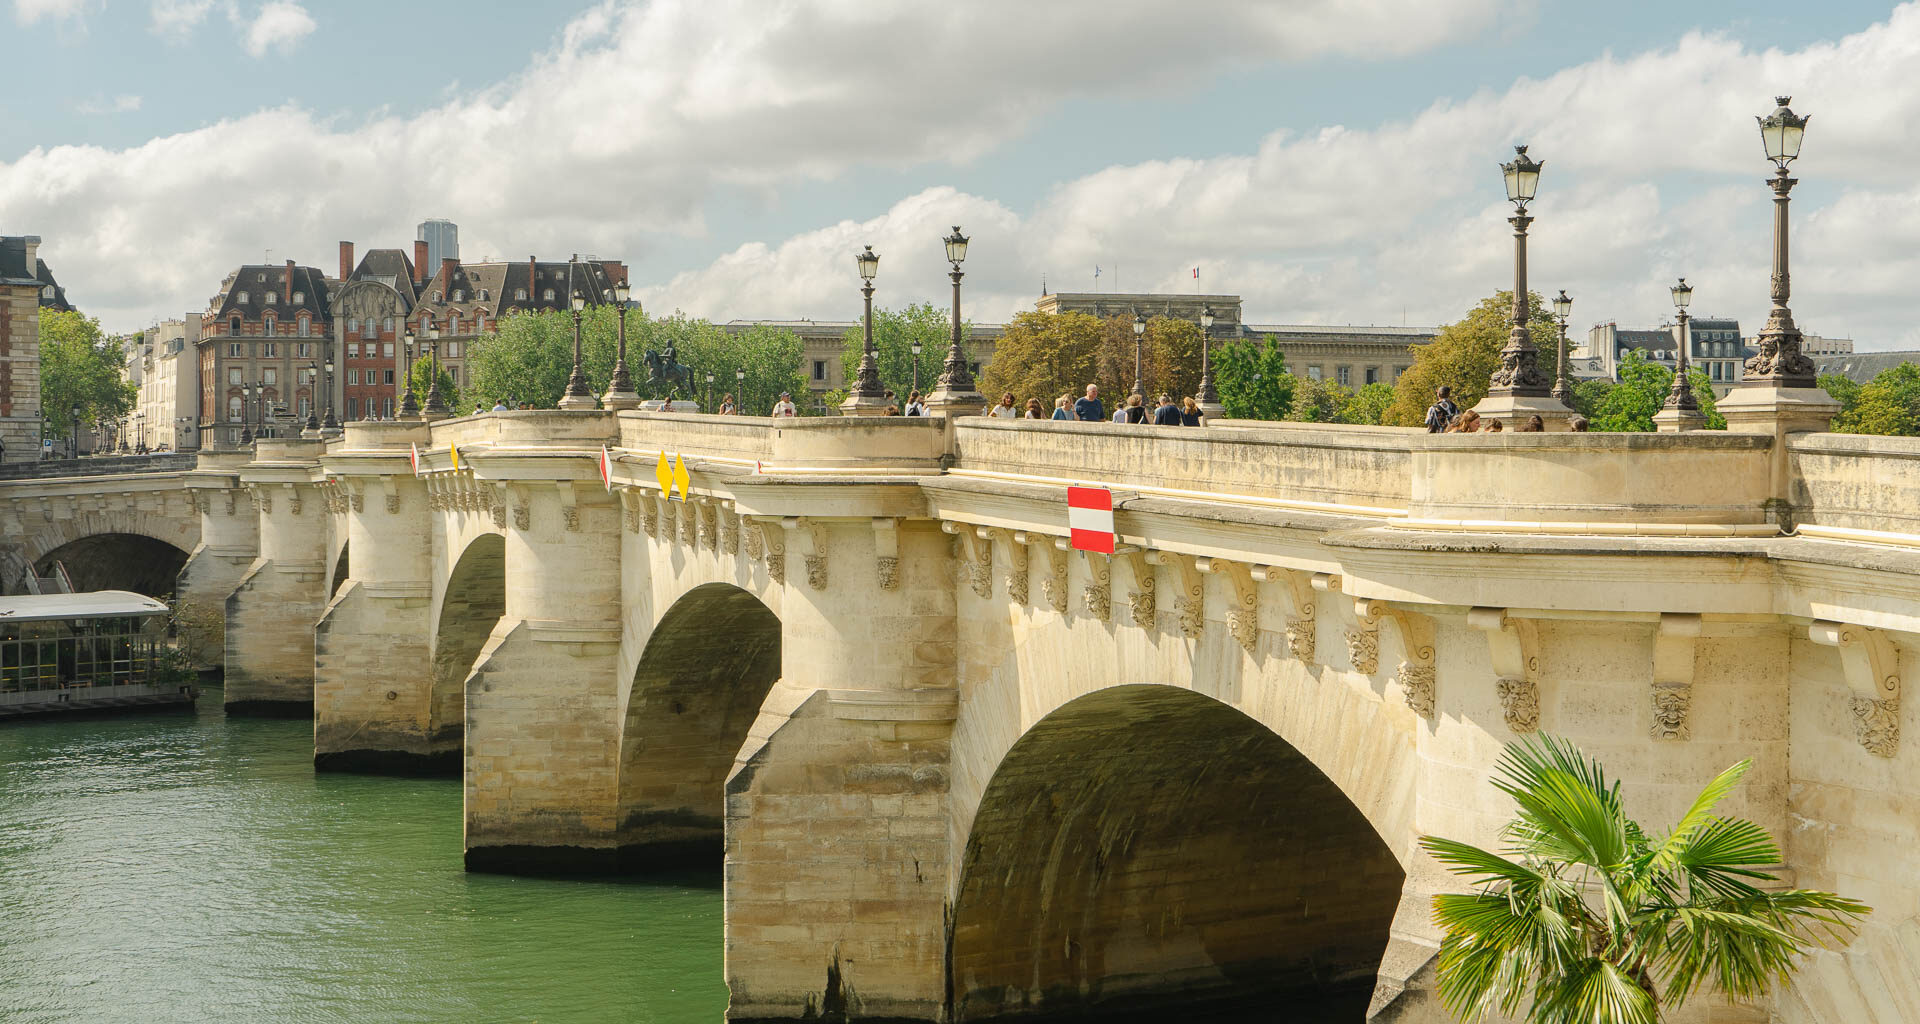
(33,254)
(419,263)
(533,271)
(346,260)
(447,264)
(288,291)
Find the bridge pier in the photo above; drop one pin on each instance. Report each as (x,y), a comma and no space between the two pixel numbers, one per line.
(229,542)
(542,736)
(270,614)
(837,846)
(372,679)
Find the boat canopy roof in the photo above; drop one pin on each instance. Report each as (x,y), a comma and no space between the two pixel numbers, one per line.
(98,604)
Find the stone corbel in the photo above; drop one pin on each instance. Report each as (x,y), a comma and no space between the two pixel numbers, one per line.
(773,537)
(262,499)
(1018,560)
(689,523)
(886,552)
(1363,637)
(709,523)
(810,536)
(498,506)
(1514,646)
(522,508)
(669,528)
(1098,593)
(1243,616)
(755,546)
(1674,645)
(356,497)
(1191,602)
(569,505)
(649,512)
(729,530)
(1303,610)
(629,510)
(1416,674)
(1054,583)
(1141,600)
(1872,665)
(295,504)
(977,552)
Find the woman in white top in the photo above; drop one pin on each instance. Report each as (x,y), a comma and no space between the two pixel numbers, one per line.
(915,407)
(1033,410)
(1005,410)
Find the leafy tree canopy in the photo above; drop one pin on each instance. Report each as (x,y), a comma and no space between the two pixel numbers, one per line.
(422,377)
(80,366)
(1252,379)
(894,332)
(1887,404)
(1045,356)
(1464,355)
(1641,391)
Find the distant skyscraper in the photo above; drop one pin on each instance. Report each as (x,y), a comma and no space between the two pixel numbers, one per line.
(443,241)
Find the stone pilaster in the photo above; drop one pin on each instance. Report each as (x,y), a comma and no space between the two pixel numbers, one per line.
(270,614)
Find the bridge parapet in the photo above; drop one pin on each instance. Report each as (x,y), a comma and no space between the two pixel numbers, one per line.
(1848,482)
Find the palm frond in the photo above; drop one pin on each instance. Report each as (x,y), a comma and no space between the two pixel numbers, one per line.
(1567,807)
(1466,859)
(1699,816)
(1594,991)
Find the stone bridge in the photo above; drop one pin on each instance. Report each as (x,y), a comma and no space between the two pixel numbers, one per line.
(957,771)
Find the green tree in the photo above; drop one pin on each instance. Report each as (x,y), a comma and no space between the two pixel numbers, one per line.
(80,366)
(1585,917)
(1169,352)
(1045,356)
(1642,391)
(1369,404)
(894,332)
(1887,404)
(1590,395)
(1319,401)
(1464,355)
(768,356)
(1844,390)
(1252,379)
(422,378)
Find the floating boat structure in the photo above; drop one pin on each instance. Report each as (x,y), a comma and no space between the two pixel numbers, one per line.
(87,652)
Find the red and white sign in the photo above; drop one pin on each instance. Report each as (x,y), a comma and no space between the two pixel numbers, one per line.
(1090,518)
(606,467)
(414,458)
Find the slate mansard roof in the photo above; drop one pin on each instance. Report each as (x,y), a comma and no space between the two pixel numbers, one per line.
(265,290)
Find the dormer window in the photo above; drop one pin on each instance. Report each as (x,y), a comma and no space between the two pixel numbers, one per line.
(270,323)
(47,291)
(262,278)
(483,295)
(234,326)
(436,295)
(306,326)
(243,298)
(547,295)
(520,294)
(459,295)
(299,297)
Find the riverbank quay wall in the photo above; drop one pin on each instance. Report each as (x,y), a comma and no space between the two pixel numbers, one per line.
(958,770)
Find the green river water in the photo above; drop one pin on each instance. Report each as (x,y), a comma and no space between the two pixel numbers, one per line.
(191,867)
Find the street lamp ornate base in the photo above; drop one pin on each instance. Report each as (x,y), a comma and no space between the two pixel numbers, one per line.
(1765,409)
(1674,420)
(1779,362)
(865,405)
(579,402)
(1514,409)
(617,400)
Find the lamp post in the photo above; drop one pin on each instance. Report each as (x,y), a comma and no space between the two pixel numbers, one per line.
(578,395)
(1209,397)
(739,390)
(313,406)
(1139,346)
(409,405)
(709,389)
(916,364)
(954,394)
(1517,388)
(1780,362)
(246,414)
(436,402)
(74,418)
(868,397)
(620,393)
(329,425)
(1563,378)
(1682,409)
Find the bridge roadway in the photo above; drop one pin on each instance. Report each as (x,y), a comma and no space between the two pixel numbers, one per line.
(958,771)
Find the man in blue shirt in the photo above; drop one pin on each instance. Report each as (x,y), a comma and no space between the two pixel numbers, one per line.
(1089,409)
(1166,414)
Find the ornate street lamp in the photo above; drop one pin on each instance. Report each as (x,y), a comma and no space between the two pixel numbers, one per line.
(1519,374)
(1139,347)
(578,395)
(1563,377)
(1780,363)
(436,402)
(739,390)
(709,389)
(954,391)
(868,396)
(916,364)
(329,424)
(1209,397)
(313,407)
(74,418)
(409,405)
(1682,409)
(246,422)
(620,393)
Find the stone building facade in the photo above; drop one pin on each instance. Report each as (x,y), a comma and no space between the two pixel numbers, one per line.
(260,346)
(165,366)
(19,348)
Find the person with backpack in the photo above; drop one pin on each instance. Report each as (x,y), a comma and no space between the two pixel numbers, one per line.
(1442,412)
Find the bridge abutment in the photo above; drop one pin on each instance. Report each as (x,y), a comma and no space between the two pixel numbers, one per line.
(229,542)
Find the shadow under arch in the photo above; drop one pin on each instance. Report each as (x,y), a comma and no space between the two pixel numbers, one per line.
(699,685)
(474,599)
(339,571)
(117,561)
(1147,853)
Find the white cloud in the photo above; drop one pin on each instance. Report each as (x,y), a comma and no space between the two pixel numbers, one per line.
(176,19)
(278,26)
(122,104)
(26,12)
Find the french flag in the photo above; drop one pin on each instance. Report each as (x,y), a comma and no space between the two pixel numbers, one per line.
(1090,518)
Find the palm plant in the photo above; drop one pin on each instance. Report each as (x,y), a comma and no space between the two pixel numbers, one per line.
(1586,918)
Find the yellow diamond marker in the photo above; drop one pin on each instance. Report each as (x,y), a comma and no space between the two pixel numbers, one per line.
(663,473)
(680,477)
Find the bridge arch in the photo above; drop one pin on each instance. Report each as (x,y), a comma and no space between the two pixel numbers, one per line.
(1150,849)
(470,605)
(127,549)
(698,686)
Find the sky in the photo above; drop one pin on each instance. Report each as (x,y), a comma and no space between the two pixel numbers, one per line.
(1331,161)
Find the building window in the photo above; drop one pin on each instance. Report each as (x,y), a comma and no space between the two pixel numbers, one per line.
(269,350)
(269,377)
(47,292)
(483,295)
(353,376)
(353,325)
(353,350)
(480,322)
(306,406)
(235,376)
(353,408)
(1373,375)
(233,327)
(233,409)
(520,293)
(387,325)
(299,297)
(304,350)
(370,330)
(459,295)
(453,350)
(389,374)
(386,407)
(1313,373)
(547,295)
(1344,375)
(243,298)
(819,369)
(306,326)
(386,349)
(234,349)
(436,295)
